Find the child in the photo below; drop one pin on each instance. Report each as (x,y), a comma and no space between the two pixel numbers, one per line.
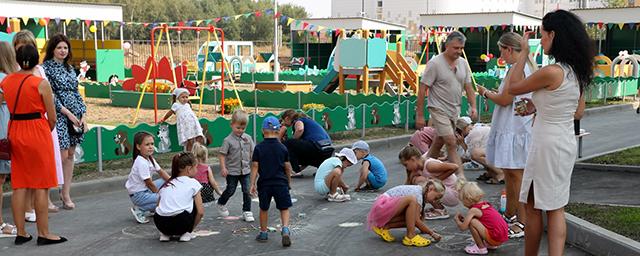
(204,175)
(488,228)
(235,160)
(372,173)
(271,161)
(180,206)
(401,207)
(421,168)
(328,181)
(143,191)
(189,129)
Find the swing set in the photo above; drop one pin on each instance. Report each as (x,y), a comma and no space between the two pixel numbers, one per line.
(199,89)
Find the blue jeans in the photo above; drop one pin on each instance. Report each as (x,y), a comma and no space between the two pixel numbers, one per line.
(232,184)
(147,200)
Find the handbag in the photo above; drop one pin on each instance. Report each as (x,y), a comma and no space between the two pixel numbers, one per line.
(5,144)
(73,129)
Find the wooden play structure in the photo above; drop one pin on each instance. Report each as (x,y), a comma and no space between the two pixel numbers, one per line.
(289,86)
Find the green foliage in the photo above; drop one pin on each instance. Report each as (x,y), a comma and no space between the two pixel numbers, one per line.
(626,157)
(615,3)
(245,28)
(622,220)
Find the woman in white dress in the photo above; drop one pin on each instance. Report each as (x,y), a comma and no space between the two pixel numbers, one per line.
(557,90)
(510,136)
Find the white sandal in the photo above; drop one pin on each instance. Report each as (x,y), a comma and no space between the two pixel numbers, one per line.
(13,233)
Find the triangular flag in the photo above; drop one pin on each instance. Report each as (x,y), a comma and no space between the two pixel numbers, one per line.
(57,19)
(289,20)
(87,22)
(464,29)
(472,29)
(105,23)
(504,26)
(283,19)
(25,20)
(115,24)
(258,13)
(226,18)
(268,11)
(494,27)
(8,29)
(278,15)
(180,23)
(610,25)
(630,25)
(2,19)
(208,21)
(480,29)
(320,28)
(237,16)
(488,28)
(145,24)
(36,20)
(67,21)
(217,19)
(620,25)
(305,25)
(198,22)
(246,15)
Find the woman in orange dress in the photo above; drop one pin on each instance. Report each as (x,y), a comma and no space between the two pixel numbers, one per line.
(32,158)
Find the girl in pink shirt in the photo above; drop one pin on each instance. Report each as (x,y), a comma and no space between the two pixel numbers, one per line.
(488,228)
(204,175)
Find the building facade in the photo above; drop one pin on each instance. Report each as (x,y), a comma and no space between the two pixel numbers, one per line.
(408,12)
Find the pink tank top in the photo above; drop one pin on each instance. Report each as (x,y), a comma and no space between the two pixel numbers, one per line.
(202,174)
(493,222)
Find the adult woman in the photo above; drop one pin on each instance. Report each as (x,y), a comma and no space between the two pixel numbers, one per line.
(310,145)
(25,37)
(69,107)
(510,135)
(33,163)
(7,66)
(557,90)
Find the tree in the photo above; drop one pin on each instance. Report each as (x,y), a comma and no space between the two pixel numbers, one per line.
(615,3)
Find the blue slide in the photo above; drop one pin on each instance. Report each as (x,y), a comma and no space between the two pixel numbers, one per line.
(330,82)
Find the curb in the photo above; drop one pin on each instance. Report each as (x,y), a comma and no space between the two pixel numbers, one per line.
(597,240)
(607,109)
(105,185)
(607,167)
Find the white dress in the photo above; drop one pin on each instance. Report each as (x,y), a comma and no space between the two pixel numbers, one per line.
(510,137)
(187,122)
(553,148)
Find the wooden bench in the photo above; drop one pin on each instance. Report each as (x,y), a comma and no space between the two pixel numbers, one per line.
(579,137)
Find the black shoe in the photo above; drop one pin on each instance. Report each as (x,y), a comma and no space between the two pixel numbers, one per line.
(47,241)
(22,239)
(638,110)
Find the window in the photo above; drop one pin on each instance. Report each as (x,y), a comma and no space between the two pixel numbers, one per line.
(379,3)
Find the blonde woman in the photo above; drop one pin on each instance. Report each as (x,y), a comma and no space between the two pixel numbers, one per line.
(22,38)
(510,136)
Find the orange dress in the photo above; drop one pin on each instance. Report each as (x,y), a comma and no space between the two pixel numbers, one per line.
(32,158)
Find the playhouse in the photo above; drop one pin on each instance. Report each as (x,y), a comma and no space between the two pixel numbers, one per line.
(481,29)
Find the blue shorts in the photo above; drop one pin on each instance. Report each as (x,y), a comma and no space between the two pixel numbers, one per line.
(373,181)
(280,194)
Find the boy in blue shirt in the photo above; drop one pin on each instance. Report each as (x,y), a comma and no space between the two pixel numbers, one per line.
(373,174)
(271,161)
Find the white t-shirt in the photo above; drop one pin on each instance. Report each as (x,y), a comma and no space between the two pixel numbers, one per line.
(141,170)
(177,196)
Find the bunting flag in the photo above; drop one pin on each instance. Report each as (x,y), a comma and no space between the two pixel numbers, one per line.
(57,21)
(87,22)
(67,21)
(620,25)
(25,20)
(2,20)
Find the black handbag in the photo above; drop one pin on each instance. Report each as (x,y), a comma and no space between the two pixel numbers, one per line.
(73,129)
(5,144)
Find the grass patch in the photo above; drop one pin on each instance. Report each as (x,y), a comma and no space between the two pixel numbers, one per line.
(622,220)
(122,167)
(614,101)
(626,157)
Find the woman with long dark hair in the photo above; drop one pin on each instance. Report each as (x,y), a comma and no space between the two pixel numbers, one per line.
(70,107)
(558,98)
(310,145)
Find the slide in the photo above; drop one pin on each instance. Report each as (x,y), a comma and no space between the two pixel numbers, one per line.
(330,82)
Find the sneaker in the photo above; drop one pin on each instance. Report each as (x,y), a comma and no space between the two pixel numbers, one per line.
(286,238)
(248,216)
(207,204)
(139,215)
(263,236)
(223,211)
(30,216)
(436,214)
(186,237)
(471,166)
(164,238)
(337,197)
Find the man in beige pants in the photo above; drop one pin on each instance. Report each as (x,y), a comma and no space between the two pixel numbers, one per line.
(446,75)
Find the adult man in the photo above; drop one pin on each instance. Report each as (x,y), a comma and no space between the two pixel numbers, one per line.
(445,76)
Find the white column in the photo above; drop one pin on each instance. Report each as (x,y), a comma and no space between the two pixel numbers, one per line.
(276,64)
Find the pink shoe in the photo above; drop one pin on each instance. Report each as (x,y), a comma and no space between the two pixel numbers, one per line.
(474,250)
